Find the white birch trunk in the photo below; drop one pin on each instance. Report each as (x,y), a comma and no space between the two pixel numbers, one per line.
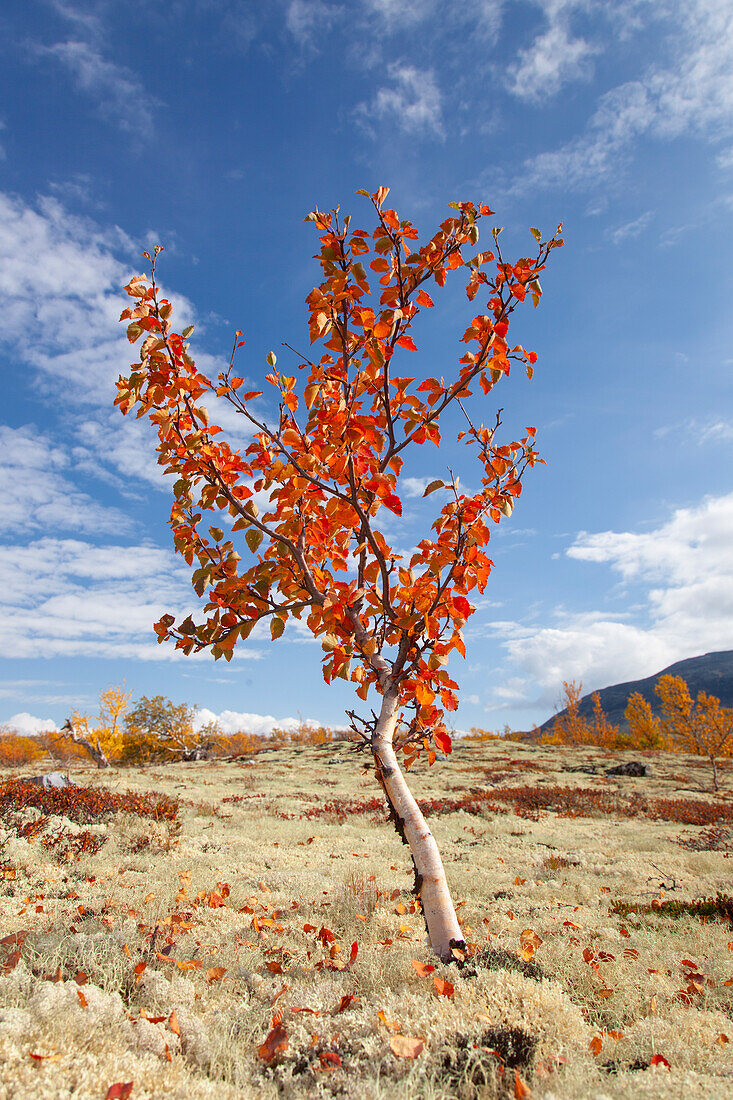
(444,931)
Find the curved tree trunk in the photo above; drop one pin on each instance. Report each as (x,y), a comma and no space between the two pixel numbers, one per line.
(444,931)
(95,751)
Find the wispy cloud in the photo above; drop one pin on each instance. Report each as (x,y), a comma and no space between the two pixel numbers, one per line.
(397,14)
(630,229)
(115,91)
(307,19)
(412,102)
(691,94)
(712,430)
(38,491)
(555,58)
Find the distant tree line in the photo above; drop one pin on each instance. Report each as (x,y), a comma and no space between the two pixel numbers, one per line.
(701,727)
(153,729)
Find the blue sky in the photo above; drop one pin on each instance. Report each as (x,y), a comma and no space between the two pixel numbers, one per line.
(213,127)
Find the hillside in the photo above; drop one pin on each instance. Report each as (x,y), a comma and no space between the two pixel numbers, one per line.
(712,672)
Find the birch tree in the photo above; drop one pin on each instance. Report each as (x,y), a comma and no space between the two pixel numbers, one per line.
(328,461)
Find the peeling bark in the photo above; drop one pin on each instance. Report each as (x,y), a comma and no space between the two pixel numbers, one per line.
(444,931)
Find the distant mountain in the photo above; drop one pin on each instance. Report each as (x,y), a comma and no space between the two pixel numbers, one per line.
(713,673)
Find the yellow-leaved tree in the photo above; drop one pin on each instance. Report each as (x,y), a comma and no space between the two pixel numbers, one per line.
(704,727)
(101,736)
(572,728)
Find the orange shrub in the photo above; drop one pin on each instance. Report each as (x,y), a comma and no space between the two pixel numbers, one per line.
(17,749)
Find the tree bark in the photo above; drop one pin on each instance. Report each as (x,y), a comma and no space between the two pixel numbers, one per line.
(95,751)
(431,886)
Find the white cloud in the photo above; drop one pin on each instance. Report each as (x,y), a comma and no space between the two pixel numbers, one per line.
(396,14)
(553,59)
(631,229)
(61,283)
(691,94)
(412,102)
(28,724)
(305,19)
(685,569)
(61,287)
(64,597)
(37,493)
(413,486)
(114,90)
(713,430)
(233,721)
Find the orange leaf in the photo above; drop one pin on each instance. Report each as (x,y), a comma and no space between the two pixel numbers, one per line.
(521,1091)
(402,1046)
(393,502)
(82,999)
(422,968)
(173,1023)
(215,973)
(44,1057)
(407,342)
(444,988)
(388,1023)
(329,1059)
(659,1060)
(596,1045)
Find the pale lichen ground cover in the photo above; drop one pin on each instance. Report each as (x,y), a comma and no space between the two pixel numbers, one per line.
(290,878)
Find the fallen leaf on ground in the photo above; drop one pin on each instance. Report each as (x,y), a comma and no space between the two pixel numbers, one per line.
(119,1091)
(444,988)
(402,1046)
(276,1041)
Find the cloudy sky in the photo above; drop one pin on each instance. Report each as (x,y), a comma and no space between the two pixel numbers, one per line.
(213,127)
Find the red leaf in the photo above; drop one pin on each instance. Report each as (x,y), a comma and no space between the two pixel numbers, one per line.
(424,299)
(119,1091)
(659,1060)
(407,342)
(276,1041)
(393,503)
(442,741)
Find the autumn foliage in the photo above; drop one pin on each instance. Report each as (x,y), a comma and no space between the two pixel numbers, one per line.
(331,461)
(328,464)
(702,727)
(573,728)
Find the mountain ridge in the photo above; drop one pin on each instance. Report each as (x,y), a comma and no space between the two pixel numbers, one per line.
(709,672)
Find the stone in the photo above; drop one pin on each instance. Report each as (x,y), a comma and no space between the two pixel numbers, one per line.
(52,779)
(633,768)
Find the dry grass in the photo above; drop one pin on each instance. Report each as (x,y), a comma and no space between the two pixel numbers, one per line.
(162,956)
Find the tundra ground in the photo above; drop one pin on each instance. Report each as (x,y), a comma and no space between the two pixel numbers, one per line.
(213,955)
